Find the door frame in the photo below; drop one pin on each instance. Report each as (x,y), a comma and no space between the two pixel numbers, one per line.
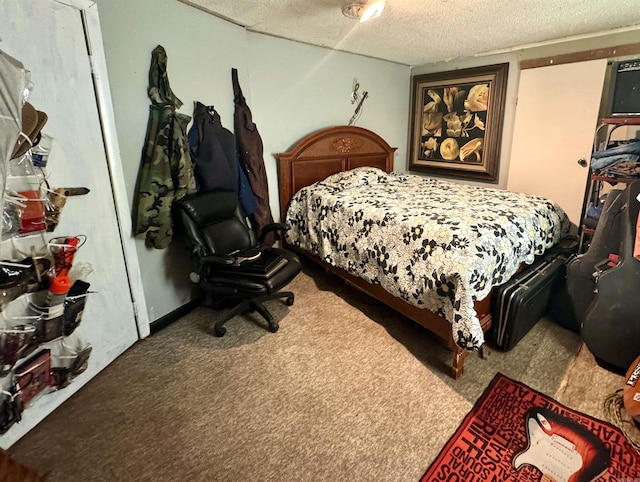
(95,49)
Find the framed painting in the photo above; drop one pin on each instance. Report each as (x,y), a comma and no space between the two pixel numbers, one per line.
(456,122)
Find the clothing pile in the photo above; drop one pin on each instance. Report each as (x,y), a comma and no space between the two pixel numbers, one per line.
(620,161)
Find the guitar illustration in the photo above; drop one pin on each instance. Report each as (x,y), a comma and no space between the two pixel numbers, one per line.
(563,450)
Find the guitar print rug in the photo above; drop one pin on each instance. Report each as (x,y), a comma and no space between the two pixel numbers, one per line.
(515,433)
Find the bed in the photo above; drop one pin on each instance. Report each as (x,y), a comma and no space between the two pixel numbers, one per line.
(429,248)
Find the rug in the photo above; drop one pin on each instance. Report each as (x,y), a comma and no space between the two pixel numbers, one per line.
(515,433)
(13,471)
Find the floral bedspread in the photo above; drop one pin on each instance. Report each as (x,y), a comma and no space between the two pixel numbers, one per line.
(436,244)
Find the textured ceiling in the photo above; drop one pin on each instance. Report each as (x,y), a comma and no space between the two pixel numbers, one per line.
(417,32)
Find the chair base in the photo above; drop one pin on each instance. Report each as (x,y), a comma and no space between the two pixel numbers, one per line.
(251,305)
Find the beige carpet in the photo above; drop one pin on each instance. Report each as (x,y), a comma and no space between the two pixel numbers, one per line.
(346,390)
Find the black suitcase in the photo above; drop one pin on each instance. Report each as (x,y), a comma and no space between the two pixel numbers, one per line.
(519,304)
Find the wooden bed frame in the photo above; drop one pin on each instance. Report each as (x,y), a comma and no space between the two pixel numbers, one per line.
(341,148)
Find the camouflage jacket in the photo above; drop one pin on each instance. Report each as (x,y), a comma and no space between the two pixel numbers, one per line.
(166,173)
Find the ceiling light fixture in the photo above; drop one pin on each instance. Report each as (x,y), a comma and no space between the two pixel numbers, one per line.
(362,9)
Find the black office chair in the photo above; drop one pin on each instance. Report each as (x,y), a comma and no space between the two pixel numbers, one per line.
(232,269)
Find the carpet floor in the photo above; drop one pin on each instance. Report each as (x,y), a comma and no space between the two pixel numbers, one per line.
(347,389)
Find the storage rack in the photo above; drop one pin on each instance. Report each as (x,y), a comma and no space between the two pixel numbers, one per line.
(601,141)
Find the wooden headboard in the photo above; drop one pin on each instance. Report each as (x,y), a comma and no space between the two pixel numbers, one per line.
(327,152)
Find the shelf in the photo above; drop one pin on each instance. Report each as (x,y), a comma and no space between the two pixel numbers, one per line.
(626,180)
(629,121)
(602,140)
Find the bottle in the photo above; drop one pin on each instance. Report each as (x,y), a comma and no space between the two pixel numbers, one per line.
(57,293)
(53,315)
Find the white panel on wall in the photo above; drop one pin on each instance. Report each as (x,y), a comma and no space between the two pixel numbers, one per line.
(49,39)
(555,122)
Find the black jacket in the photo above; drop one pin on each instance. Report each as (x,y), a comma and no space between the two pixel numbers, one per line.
(213,151)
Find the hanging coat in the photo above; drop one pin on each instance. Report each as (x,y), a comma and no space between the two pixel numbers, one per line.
(214,156)
(213,151)
(166,174)
(250,149)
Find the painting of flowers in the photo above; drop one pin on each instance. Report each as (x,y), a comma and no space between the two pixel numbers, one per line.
(457,122)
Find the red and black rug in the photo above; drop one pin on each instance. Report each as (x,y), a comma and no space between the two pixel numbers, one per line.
(514,433)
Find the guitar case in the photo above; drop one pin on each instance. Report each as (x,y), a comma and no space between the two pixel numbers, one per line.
(611,328)
(581,284)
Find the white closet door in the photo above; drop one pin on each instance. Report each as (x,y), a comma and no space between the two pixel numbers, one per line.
(48,37)
(556,117)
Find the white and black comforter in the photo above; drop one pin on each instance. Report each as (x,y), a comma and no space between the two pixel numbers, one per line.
(436,244)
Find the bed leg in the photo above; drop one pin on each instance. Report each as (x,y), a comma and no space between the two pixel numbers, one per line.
(457,368)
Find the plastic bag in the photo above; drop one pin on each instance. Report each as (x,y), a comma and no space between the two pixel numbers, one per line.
(63,250)
(24,198)
(69,358)
(40,152)
(15,338)
(74,306)
(33,376)
(12,215)
(11,409)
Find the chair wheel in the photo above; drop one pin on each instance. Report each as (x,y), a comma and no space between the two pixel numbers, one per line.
(288,301)
(273,327)
(219,330)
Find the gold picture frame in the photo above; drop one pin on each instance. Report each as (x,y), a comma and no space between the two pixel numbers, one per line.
(456,122)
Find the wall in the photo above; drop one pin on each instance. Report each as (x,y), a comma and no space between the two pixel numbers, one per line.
(298,89)
(291,88)
(513,57)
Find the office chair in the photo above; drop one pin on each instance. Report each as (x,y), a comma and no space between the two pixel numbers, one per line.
(232,270)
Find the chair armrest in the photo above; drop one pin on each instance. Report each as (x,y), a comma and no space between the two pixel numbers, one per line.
(272,227)
(206,263)
(237,258)
(216,260)
(245,256)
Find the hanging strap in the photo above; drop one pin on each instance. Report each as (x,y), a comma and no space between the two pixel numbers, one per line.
(238,98)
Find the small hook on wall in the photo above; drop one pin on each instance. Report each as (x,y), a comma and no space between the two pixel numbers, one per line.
(355,97)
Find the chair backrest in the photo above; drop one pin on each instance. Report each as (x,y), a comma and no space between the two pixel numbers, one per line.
(213,222)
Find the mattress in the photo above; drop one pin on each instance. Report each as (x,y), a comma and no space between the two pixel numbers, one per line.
(436,244)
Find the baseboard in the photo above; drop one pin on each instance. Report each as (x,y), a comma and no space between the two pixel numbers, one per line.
(176,314)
